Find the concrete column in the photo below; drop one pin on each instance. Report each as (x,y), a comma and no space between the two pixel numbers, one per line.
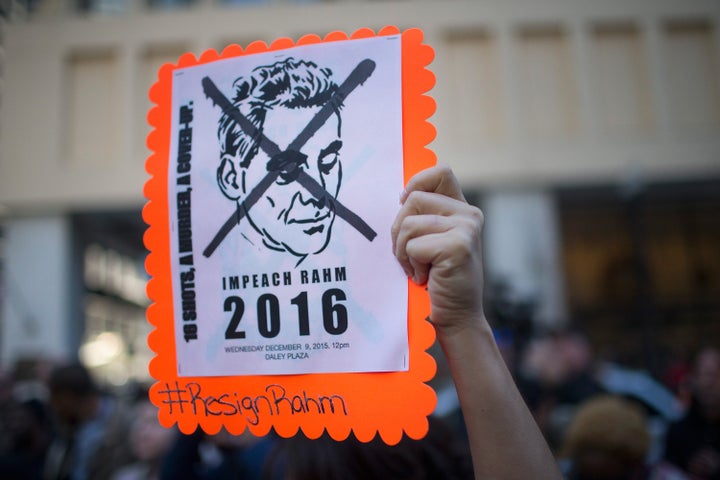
(38,308)
(522,249)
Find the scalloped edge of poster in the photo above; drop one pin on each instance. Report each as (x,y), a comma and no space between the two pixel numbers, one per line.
(386,404)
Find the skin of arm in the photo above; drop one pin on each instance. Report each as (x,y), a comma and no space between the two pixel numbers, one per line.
(437,240)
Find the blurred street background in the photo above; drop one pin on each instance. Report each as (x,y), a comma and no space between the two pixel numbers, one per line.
(588,131)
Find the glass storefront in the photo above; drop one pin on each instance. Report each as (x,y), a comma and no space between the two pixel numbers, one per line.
(642,268)
(114,333)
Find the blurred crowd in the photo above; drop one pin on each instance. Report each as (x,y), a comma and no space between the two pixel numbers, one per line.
(607,421)
(602,420)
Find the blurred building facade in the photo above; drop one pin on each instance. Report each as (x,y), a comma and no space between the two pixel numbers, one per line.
(588,131)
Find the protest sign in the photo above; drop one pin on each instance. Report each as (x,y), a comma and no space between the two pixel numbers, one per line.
(275,177)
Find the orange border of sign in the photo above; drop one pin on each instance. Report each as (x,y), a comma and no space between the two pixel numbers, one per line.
(384,403)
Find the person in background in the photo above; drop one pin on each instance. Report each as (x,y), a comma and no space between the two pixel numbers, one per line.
(606,439)
(28,430)
(221,456)
(441,454)
(556,375)
(92,428)
(693,442)
(149,442)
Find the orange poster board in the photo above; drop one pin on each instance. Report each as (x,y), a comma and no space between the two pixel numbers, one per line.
(348,392)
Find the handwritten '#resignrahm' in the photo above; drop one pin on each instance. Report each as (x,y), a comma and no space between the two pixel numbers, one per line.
(275,401)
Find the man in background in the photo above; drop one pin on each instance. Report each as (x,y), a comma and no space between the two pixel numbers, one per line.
(693,442)
(92,428)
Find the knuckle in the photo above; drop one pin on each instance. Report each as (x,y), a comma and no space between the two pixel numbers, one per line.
(444,170)
(414,196)
(477,215)
(469,233)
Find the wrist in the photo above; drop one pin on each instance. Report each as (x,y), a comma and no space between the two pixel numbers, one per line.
(470,338)
(468,324)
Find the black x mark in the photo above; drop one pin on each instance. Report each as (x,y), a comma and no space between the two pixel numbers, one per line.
(278,157)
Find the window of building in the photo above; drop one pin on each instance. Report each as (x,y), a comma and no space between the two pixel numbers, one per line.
(643,268)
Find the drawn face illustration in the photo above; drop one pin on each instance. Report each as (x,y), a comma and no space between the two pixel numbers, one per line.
(280,154)
(288,216)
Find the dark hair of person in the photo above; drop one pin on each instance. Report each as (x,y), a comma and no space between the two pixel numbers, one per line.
(73,378)
(441,454)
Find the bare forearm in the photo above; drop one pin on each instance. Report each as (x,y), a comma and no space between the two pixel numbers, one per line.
(505,441)
(437,240)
